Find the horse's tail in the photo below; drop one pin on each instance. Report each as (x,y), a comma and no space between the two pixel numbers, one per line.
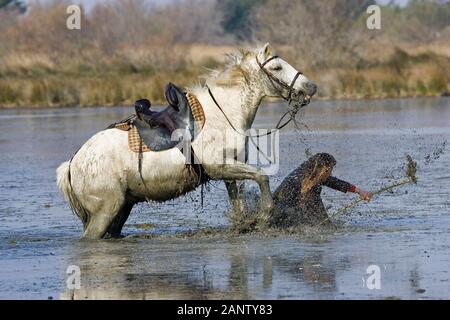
(63,180)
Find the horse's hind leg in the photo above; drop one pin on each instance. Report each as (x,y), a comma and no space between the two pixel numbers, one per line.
(100,221)
(98,226)
(116,226)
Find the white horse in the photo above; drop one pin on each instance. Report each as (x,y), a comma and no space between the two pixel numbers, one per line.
(102,181)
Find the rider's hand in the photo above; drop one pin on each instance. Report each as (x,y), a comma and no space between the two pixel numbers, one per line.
(365,195)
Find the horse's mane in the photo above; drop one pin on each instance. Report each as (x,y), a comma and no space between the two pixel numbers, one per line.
(231,73)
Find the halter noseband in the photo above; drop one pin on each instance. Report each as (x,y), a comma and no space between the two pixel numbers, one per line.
(273,79)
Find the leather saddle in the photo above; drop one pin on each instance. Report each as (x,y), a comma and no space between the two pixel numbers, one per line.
(167,128)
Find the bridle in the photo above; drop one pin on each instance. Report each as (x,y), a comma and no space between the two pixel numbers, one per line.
(274,79)
(292,111)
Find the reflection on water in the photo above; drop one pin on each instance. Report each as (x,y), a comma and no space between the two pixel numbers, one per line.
(285,267)
(404,233)
(139,272)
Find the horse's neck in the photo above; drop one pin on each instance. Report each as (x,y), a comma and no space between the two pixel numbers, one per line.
(239,104)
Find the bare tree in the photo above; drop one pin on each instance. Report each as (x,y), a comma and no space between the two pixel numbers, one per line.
(195,21)
(420,21)
(319,32)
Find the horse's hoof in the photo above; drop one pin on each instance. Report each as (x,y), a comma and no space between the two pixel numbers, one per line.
(266,210)
(267,206)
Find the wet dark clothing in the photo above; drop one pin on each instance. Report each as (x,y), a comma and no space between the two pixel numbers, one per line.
(293,208)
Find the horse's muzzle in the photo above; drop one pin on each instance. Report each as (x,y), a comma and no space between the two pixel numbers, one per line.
(300,99)
(303,97)
(310,88)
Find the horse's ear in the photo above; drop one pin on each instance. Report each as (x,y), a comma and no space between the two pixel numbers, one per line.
(266,51)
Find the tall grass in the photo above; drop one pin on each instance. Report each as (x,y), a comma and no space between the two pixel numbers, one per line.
(402,75)
(31,82)
(35,80)
(126,50)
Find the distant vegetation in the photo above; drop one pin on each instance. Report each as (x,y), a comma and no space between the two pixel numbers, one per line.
(129,49)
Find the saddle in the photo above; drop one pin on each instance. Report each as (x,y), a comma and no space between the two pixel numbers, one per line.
(165,118)
(151,130)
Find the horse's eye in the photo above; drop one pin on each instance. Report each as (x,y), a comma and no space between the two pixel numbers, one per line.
(277,68)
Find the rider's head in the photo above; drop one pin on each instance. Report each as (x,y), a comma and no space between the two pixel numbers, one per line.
(316,170)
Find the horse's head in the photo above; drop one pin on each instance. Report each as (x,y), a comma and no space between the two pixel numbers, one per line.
(277,77)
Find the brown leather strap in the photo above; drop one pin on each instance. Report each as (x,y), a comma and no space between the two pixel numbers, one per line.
(228,120)
(268,60)
(273,79)
(140,159)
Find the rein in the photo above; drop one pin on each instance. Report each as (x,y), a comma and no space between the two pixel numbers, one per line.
(292,112)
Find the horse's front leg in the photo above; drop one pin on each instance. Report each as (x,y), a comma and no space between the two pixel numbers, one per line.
(242,171)
(236,195)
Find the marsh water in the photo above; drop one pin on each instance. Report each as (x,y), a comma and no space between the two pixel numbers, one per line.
(404,233)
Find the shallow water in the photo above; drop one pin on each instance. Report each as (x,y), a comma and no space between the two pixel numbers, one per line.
(405,233)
